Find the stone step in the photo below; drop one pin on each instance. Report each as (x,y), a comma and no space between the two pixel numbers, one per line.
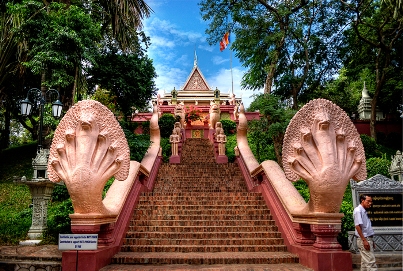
(200,223)
(177,229)
(199,195)
(203,242)
(203,202)
(146,211)
(213,267)
(196,207)
(201,213)
(197,190)
(205,218)
(205,258)
(208,248)
(202,235)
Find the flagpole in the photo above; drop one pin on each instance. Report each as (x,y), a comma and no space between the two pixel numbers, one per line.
(232,77)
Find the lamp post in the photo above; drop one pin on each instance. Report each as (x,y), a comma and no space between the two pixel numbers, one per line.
(40,186)
(40,97)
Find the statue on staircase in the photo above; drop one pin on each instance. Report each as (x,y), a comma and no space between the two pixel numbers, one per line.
(174,140)
(177,128)
(222,140)
(218,129)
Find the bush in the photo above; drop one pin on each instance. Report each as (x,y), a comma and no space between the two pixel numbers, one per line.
(60,193)
(58,220)
(166,124)
(370,146)
(166,149)
(15,212)
(347,222)
(229,126)
(14,226)
(376,165)
(302,188)
(231,143)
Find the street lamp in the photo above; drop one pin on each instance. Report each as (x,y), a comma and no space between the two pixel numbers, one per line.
(26,108)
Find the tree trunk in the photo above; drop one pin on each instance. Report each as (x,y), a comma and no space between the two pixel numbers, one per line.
(278,146)
(74,86)
(5,134)
(269,78)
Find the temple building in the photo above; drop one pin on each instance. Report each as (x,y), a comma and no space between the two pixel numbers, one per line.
(196,91)
(197,95)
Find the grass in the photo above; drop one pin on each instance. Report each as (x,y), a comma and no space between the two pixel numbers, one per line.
(15,199)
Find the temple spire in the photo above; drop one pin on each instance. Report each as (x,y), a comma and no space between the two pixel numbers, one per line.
(195,59)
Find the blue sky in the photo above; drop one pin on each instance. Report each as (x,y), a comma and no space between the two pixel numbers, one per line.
(176,30)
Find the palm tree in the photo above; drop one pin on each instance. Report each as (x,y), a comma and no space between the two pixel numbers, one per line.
(122,18)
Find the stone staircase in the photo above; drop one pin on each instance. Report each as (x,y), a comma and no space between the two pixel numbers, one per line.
(201,217)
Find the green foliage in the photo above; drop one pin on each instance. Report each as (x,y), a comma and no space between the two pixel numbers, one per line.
(377,165)
(138,144)
(60,38)
(58,220)
(146,127)
(229,126)
(231,143)
(15,213)
(370,146)
(290,43)
(271,127)
(261,145)
(60,193)
(302,188)
(347,222)
(166,123)
(106,98)
(128,77)
(342,91)
(14,226)
(377,50)
(166,149)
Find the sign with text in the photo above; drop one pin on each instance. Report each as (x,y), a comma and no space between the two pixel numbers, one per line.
(78,241)
(386,210)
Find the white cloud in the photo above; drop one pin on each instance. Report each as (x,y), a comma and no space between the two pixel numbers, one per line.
(222,80)
(207,48)
(217,60)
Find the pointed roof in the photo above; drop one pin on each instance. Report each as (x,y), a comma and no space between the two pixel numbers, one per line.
(196,80)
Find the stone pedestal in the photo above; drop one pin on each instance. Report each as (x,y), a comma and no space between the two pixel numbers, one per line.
(221,159)
(324,226)
(41,190)
(174,159)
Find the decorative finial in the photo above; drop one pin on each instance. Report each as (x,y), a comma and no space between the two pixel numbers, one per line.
(364,93)
(195,59)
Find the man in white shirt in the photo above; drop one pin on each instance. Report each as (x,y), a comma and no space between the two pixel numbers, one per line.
(364,234)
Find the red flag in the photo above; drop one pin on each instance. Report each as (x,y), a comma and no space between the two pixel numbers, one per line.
(224,42)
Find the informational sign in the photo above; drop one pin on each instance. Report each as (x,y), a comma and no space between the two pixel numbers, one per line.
(78,241)
(386,210)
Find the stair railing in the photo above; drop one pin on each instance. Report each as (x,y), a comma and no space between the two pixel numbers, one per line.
(141,178)
(303,235)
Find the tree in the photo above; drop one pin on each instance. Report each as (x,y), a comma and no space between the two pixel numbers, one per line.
(375,39)
(129,77)
(288,46)
(273,124)
(55,40)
